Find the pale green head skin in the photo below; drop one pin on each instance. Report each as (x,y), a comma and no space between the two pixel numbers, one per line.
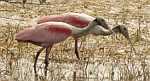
(102,22)
(122,30)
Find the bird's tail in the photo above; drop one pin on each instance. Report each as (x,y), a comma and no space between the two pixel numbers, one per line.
(24,35)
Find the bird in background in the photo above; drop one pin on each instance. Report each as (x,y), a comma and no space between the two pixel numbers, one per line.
(79,20)
(49,33)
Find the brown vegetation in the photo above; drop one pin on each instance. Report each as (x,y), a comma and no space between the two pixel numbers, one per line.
(103,58)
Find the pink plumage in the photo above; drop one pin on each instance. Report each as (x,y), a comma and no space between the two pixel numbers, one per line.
(45,33)
(75,19)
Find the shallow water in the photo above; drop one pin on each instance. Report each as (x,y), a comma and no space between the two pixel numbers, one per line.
(100,69)
(102,58)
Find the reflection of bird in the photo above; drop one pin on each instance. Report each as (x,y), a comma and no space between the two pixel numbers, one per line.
(79,20)
(49,33)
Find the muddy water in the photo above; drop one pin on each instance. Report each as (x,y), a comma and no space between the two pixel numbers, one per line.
(97,69)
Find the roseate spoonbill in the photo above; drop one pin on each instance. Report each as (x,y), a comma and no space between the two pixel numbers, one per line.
(79,20)
(49,33)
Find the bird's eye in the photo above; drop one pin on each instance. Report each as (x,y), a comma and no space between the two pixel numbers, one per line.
(95,20)
(124,28)
(103,20)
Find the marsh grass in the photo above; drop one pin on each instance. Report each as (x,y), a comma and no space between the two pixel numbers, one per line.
(102,58)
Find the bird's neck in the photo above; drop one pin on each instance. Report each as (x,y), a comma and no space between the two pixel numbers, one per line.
(106,32)
(99,30)
(116,30)
(85,30)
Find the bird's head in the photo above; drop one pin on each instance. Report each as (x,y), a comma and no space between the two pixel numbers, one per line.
(100,21)
(123,30)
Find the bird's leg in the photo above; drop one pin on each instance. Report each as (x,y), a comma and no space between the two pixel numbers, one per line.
(36,58)
(76,49)
(82,42)
(47,59)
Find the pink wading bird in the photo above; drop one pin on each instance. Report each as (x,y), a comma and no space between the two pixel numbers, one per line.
(49,33)
(78,20)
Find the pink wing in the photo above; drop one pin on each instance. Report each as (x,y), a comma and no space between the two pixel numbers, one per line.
(25,34)
(58,18)
(78,20)
(75,19)
(45,33)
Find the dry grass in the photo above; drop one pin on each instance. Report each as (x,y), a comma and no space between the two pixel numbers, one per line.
(102,58)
